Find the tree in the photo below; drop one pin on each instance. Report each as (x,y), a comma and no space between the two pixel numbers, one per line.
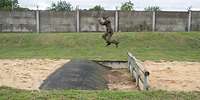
(97,8)
(61,6)
(152,8)
(127,6)
(9,4)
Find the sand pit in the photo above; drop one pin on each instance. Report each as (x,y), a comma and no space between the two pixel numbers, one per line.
(175,76)
(27,74)
(120,79)
(30,74)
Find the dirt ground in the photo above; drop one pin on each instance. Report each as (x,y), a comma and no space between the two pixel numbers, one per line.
(175,76)
(120,79)
(27,74)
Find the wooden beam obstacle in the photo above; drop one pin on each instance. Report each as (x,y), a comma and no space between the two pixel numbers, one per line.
(139,73)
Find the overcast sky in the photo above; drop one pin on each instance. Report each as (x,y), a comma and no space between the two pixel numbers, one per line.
(112,4)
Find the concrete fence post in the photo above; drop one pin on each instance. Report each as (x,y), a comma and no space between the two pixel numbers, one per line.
(154,21)
(38,21)
(77,19)
(189,20)
(116,20)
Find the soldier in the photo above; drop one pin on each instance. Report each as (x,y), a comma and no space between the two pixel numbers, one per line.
(107,36)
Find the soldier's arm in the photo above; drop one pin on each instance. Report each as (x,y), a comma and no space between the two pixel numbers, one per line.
(102,23)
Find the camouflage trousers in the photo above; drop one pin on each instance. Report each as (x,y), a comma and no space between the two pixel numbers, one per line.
(108,38)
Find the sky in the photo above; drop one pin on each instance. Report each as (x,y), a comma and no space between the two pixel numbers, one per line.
(166,5)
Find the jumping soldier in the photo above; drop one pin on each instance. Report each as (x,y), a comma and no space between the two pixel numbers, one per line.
(107,36)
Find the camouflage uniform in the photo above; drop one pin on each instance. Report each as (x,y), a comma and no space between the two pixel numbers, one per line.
(109,32)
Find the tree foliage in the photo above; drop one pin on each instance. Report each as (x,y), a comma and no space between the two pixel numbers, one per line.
(9,4)
(97,8)
(61,6)
(127,6)
(152,8)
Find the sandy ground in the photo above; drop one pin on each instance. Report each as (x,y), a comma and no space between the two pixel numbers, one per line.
(30,73)
(175,76)
(120,79)
(27,74)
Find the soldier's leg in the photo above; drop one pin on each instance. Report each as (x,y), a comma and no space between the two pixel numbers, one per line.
(108,41)
(104,36)
(109,37)
(114,41)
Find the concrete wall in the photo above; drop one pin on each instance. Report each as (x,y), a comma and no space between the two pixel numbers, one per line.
(171,21)
(195,25)
(89,20)
(17,21)
(51,21)
(135,21)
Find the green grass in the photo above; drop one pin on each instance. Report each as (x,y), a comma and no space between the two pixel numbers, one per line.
(145,46)
(14,94)
(180,46)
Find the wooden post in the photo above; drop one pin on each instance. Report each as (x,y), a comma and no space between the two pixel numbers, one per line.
(128,63)
(137,75)
(129,66)
(146,87)
(134,75)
